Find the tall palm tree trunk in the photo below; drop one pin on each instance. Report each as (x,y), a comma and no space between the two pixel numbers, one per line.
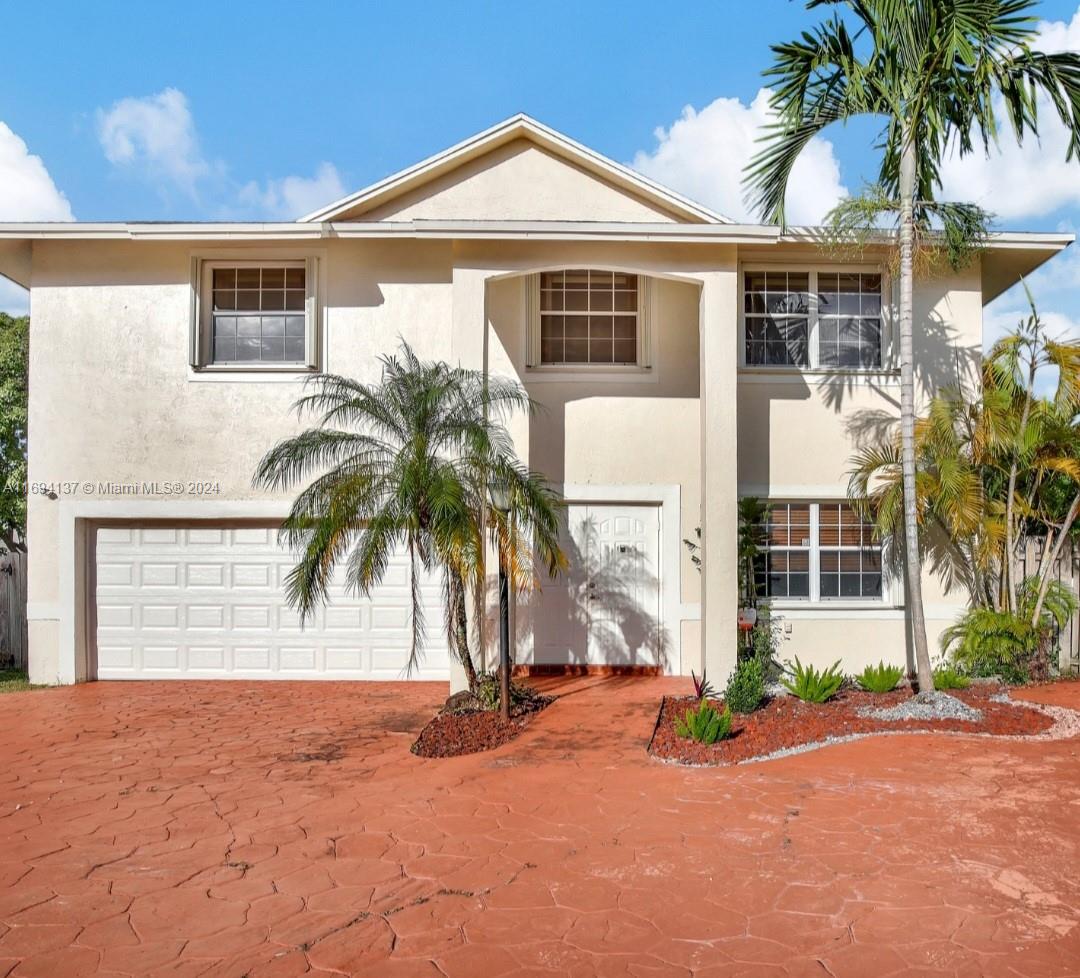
(924,671)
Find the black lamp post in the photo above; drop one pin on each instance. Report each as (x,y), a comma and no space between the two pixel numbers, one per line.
(500,500)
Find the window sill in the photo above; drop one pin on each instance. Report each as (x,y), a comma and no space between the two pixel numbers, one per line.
(593,372)
(270,374)
(815,375)
(870,604)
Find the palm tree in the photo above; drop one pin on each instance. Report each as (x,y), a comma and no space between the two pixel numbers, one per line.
(930,70)
(406,463)
(991,470)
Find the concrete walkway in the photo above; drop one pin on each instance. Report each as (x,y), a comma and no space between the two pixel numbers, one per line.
(273,830)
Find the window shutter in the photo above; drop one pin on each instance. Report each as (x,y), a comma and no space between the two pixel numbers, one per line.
(532,320)
(312,312)
(195,341)
(644,321)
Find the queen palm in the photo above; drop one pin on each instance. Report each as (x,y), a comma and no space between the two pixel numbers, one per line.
(405,464)
(930,70)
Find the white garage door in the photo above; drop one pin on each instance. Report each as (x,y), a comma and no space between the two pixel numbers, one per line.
(208,602)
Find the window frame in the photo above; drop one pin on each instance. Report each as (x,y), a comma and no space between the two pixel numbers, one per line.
(886,362)
(887,598)
(202,340)
(643,316)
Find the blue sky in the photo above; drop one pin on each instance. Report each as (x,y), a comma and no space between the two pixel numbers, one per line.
(250,111)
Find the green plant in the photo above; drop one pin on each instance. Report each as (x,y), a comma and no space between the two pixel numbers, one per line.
(992,643)
(881,678)
(706,724)
(746,686)
(764,640)
(812,686)
(947,677)
(753,521)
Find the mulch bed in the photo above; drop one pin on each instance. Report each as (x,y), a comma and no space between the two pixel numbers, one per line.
(787,722)
(455,732)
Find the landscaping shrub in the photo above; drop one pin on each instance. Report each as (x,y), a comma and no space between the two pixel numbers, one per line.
(947,677)
(991,643)
(703,689)
(706,724)
(812,686)
(880,678)
(746,686)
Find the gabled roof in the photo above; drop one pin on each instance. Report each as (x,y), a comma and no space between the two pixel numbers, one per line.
(519,126)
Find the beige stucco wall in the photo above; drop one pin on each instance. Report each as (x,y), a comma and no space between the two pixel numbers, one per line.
(113,398)
(797,436)
(517,182)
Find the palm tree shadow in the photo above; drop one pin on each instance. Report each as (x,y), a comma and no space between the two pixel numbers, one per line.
(603,612)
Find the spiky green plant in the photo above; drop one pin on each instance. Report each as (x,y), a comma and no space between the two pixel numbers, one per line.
(881,678)
(706,724)
(949,677)
(812,685)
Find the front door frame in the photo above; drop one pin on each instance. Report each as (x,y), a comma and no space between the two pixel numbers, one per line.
(669,500)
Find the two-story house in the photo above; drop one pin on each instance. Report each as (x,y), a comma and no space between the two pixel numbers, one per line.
(679,359)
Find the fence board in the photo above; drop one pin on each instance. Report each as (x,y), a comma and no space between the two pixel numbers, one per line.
(1067,571)
(13,640)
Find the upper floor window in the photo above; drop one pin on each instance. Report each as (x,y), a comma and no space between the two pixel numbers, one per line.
(818,552)
(256,315)
(813,319)
(587,317)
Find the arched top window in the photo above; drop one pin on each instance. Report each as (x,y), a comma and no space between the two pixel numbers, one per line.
(587,317)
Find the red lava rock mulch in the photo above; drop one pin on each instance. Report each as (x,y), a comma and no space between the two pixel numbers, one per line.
(786,722)
(455,732)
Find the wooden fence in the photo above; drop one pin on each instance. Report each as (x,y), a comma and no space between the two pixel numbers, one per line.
(1067,571)
(13,642)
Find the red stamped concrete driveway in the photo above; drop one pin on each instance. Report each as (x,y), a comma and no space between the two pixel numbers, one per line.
(273,830)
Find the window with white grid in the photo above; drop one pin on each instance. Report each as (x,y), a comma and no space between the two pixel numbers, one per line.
(783,566)
(588,316)
(818,552)
(258,314)
(777,315)
(849,559)
(813,319)
(849,319)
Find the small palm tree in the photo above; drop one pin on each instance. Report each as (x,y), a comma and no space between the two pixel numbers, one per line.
(992,469)
(929,69)
(406,464)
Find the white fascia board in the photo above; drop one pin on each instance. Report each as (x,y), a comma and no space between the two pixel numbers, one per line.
(193,231)
(486,230)
(995,240)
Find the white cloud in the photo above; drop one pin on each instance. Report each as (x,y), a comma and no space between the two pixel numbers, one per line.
(292,197)
(703,154)
(156,137)
(155,134)
(1022,181)
(27,192)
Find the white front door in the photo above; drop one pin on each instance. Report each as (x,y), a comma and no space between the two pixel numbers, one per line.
(606,610)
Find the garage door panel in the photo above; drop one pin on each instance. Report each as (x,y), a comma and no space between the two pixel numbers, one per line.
(206,602)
